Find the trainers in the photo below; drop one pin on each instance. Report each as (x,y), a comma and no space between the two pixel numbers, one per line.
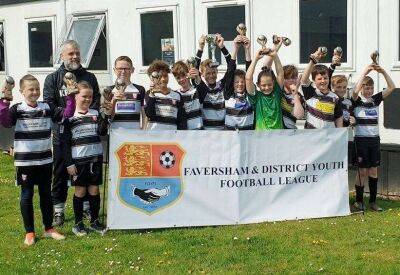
(79,229)
(357,207)
(97,226)
(58,219)
(30,239)
(374,207)
(52,233)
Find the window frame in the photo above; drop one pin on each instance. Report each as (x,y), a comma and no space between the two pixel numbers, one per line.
(101,25)
(5,50)
(203,23)
(174,8)
(348,66)
(52,19)
(396,57)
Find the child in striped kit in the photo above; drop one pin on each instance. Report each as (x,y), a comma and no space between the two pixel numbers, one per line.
(33,156)
(85,157)
(367,141)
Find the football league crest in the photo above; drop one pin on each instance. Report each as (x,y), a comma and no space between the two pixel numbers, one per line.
(149,175)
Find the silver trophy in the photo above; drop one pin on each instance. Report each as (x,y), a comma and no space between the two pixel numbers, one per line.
(338,51)
(323,50)
(70,83)
(8,86)
(262,40)
(211,41)
(107,94)
(375,58)
(191,62)
(286,41)
(120,85)
(241,30)
(155,79)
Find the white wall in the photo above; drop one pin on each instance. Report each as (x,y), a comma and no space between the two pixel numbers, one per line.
(365,34)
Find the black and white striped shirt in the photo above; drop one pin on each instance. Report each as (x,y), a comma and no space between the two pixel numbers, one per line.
(287,104)
(214,107)
(32,138)
(127,113)
(165,111)
(366,113)
(192,108)
(321,109)
(82,132)
(239,113)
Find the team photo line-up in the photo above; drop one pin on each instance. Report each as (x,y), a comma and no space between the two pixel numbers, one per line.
(57,140)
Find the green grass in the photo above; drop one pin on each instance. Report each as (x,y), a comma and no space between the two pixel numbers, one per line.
(354,244)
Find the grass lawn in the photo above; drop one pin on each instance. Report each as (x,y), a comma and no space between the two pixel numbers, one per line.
(354,244)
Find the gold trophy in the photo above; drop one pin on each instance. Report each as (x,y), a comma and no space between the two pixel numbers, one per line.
(212,45)
(375,58)
(70,83)
(286,41)
(191,62)
(241,29)
(8,86)
(120,85)
(262,40)
(155,79)
(107,94)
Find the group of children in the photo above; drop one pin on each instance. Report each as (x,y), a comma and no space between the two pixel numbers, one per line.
(276,101)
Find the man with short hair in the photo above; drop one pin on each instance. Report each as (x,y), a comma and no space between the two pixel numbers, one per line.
(55,92)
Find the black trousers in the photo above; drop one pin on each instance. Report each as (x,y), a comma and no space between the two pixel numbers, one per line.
(59,189)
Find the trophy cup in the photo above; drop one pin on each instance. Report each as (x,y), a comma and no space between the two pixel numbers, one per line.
(338,51)
(155,78)
(8,86)
(286,41)
(262,40)
(70,82)
(323,50)
(210,39)
(191,62)
(375,58)
(120,85)
(107,94)
(241,29)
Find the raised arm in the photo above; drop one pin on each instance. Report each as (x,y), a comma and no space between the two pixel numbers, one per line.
(359,84)
(390,84)
(199,54)
(250,87)
(314,59)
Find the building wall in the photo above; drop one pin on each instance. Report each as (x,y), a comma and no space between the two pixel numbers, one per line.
(372,24)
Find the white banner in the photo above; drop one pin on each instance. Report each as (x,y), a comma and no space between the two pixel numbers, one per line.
(196,178)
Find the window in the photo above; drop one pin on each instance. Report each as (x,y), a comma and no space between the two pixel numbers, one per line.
(90,33)
(40,34)
(322,24)
(224,20)
(391,113)
(157,37)
(2,46)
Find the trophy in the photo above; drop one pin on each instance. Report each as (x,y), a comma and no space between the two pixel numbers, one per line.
(323,50)
(8,86)
(241,29)
(191,62)
(338,51)
(375,58)
(262,40)
(107,94)
(120,85)
(155,78)
(286,41)
(210,39)
(70,82)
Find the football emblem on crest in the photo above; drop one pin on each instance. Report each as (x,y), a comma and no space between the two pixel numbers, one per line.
(167,159)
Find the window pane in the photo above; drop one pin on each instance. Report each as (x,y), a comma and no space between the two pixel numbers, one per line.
(392,111)
(40,44)
(99,57)
(155,26)
(224,20)
(2,57)
(322,24)
(84,32)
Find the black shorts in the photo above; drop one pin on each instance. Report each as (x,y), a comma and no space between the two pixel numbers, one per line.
(88,174)
(368,152)
(34,175)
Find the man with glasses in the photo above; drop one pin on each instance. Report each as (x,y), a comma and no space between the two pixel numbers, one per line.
(55,92)
(126,100)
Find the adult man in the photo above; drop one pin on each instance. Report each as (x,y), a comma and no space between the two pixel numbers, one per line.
(55,92)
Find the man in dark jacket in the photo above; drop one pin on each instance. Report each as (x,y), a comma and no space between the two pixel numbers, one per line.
(55,92)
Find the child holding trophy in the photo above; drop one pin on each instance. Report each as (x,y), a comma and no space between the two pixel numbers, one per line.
(323,107)
(266,100)
(33,156)
(163,106)
(126,98)
(367,141)
(239,111)
(210,90)
(183,73)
